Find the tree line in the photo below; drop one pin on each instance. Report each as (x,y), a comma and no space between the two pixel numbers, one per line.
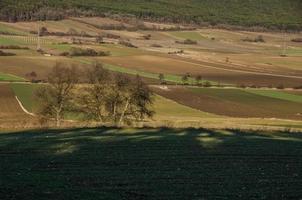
(271,14)
(96,94)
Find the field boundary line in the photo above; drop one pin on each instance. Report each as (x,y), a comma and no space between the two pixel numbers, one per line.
(22,107)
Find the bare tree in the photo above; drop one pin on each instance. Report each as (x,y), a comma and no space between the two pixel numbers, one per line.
(94,96)
(55,98)
(136,100)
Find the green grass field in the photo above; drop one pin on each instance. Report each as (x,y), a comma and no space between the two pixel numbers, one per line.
(188,35)
(25,93)
(150,164)
(10,77)
(277,95)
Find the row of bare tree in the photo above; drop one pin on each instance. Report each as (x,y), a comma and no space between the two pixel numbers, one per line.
(96,94)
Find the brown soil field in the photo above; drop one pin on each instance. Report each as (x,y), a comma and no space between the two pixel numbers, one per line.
(11,114)
(210,71)
(232,102)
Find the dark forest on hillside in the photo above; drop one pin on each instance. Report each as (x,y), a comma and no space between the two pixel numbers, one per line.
(272,14)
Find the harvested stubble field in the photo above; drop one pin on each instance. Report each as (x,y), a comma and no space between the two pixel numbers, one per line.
(150,164)
(233,102)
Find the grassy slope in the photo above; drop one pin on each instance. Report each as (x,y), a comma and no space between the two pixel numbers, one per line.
(150,164)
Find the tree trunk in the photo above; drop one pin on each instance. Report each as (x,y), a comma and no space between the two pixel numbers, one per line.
(58,119)
(124,111)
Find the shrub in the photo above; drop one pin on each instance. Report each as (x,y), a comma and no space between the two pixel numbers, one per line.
(12,47)
(84,52)
(112,36)
(297,40)
(147,37)
(6,54)
(207,84)
(298,87)
(187,41)
(127,44)
(259,38)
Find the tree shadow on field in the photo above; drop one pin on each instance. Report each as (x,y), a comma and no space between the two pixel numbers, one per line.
(111,163)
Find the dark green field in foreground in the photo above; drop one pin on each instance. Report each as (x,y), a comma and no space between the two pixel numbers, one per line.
(150,164)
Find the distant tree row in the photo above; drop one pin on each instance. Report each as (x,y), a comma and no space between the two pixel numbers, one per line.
(96,94)
(187,79)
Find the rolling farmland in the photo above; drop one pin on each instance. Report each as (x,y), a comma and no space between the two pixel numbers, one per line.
(252,64)
(150,100)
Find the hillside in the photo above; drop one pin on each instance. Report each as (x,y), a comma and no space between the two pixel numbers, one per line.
(266,13)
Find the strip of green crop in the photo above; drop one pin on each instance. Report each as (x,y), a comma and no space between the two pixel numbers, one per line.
(10,77)
(277,95)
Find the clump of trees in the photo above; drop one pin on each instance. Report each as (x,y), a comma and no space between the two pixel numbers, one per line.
(74,51)
(100,96)
(71,32)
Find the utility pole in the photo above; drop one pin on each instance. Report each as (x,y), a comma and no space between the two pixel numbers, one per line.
(284,45)
(39,42)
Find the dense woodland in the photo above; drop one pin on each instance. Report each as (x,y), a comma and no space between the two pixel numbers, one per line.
(273,14)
